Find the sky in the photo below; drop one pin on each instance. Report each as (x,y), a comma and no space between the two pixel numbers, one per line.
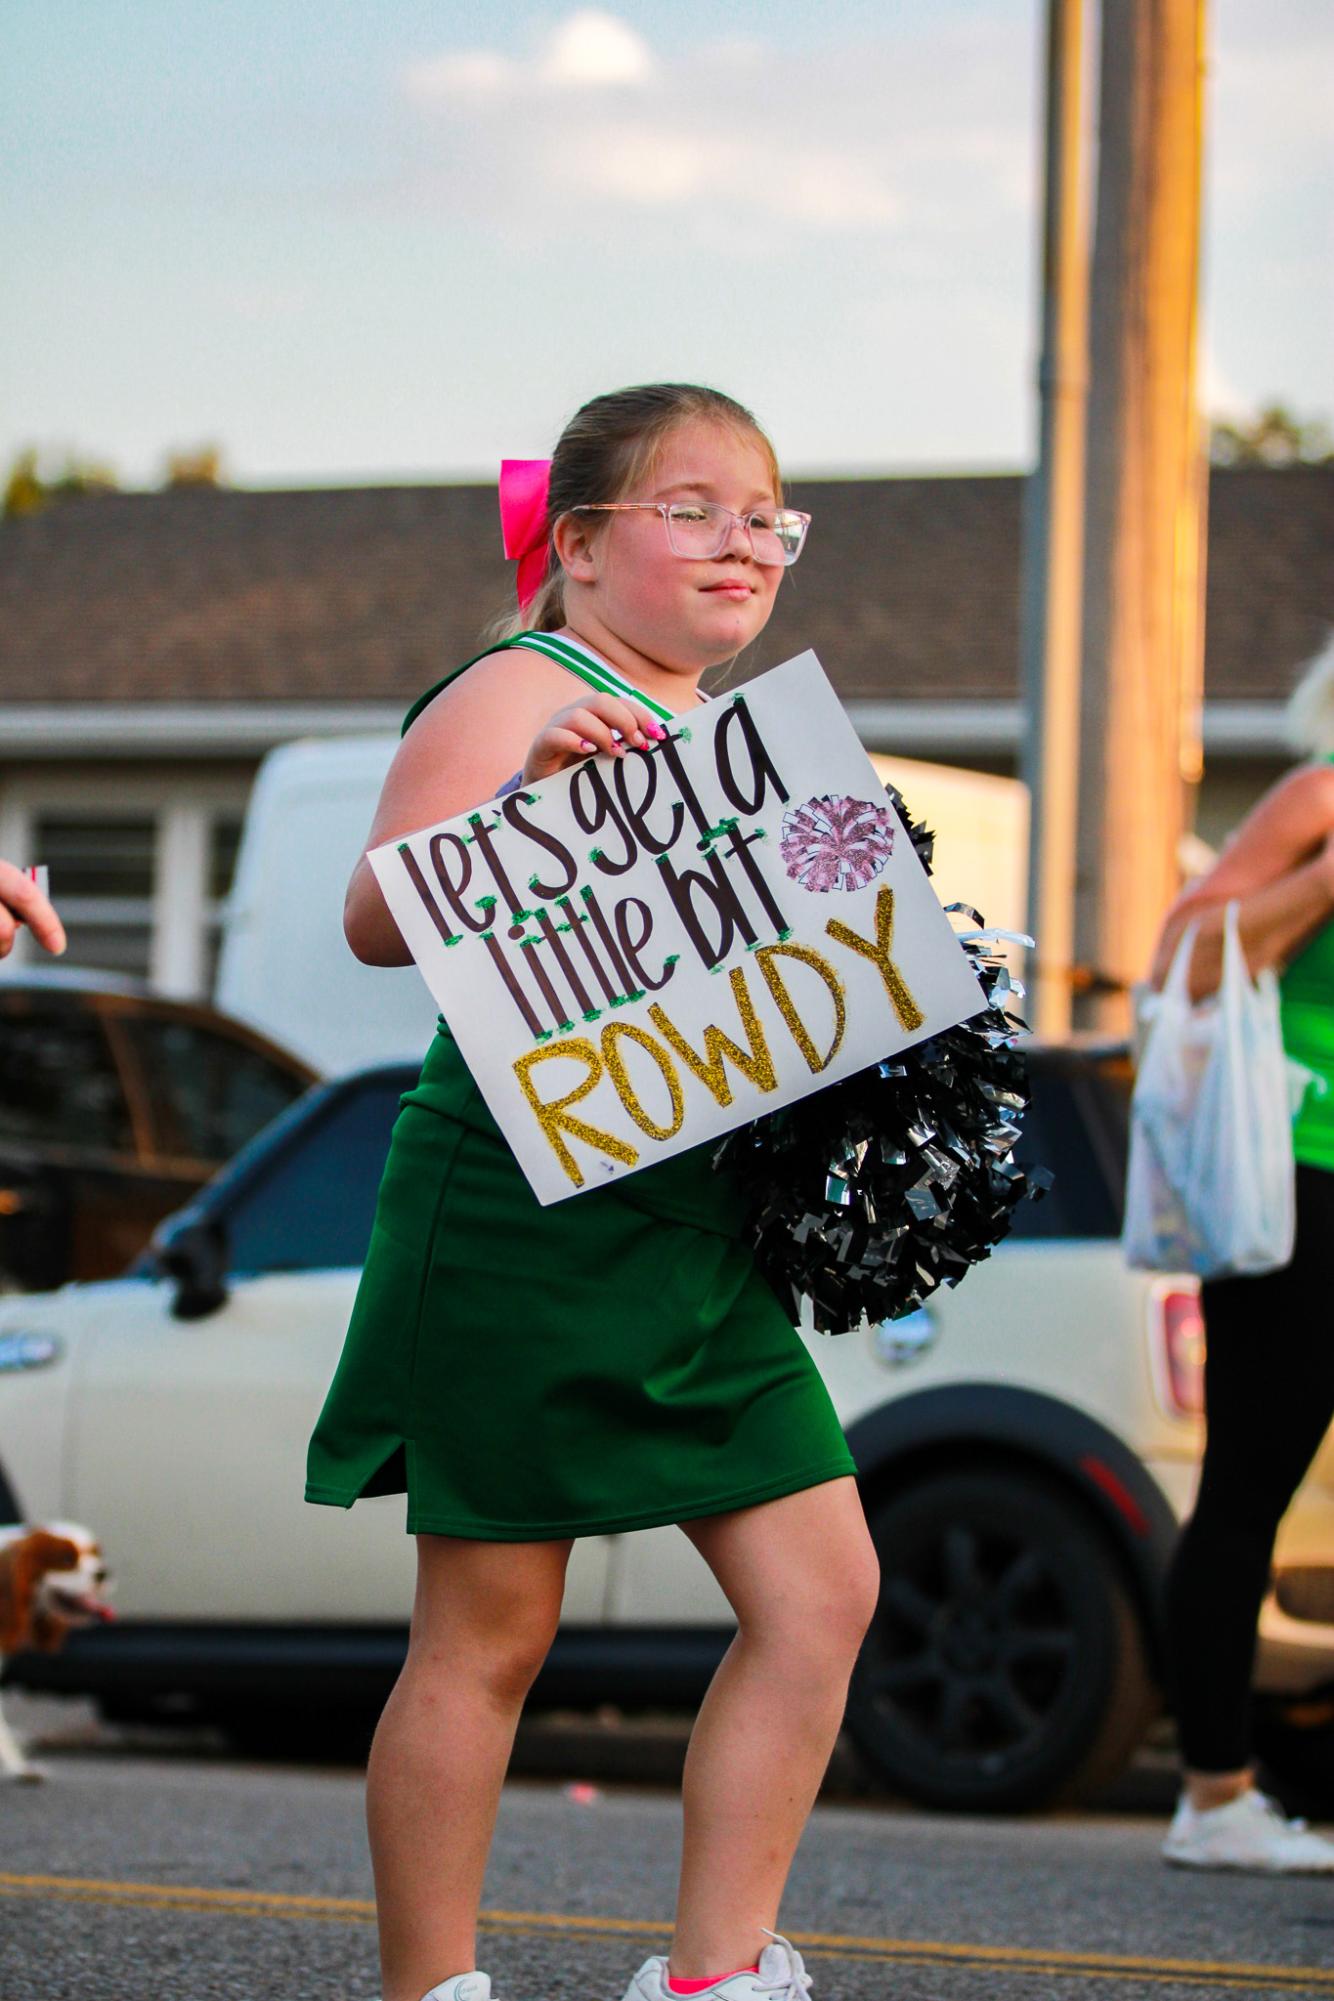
(368,240)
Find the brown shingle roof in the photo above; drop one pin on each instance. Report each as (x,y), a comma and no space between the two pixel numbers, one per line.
(909,588)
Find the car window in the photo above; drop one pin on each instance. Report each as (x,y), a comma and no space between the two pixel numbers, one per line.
(312,1211)
(208,1093)
(58,1082)
(1076,1125)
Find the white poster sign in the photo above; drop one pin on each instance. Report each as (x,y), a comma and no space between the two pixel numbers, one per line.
(654,947)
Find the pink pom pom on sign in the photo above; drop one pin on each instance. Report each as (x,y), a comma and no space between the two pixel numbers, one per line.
(836,842)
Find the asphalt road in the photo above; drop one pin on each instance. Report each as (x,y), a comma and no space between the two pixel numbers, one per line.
(138,1874)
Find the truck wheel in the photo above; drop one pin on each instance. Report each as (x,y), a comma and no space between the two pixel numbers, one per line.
(1005,1667)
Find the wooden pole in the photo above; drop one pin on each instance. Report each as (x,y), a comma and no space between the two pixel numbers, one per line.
(1144,559)
(1054,534)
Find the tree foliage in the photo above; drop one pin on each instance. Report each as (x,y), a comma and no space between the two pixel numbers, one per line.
(200,465)
(31,485)
(38,479)
(1275,437)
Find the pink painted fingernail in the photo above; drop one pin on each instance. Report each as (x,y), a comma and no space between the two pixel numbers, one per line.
(585,745)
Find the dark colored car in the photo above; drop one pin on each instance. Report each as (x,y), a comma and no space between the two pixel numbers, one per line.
(115,1107)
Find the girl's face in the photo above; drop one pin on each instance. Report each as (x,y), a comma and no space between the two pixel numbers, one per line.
(685,612)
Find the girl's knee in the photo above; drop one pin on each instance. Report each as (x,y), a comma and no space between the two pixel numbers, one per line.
(511,1667)
(502,1660)
(822,1619)
(856,1573)
(859,1599)
(488,1613)
(867,1590)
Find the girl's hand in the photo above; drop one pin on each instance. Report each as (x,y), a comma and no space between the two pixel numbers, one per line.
(599,722)
(21,902)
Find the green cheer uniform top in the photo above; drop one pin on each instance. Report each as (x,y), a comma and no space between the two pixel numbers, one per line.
(611,1362)
(1306,1008)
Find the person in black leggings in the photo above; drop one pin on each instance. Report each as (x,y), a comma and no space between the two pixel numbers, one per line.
(1269,1367)
(1269,1394)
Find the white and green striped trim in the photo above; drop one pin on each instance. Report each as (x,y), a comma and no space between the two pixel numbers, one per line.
(589,668)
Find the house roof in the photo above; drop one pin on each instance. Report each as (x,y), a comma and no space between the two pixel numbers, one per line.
(909,589)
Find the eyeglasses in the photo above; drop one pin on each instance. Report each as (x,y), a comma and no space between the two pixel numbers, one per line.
(700,529)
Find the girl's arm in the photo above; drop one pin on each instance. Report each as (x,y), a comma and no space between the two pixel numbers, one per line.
(1279,868)
(1272,923)
(493,721)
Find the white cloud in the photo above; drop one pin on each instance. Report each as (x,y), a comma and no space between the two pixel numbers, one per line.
(736,141)
(588,51)
(714,175)
(595,49)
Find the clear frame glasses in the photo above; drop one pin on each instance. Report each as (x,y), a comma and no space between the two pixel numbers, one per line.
(701,529)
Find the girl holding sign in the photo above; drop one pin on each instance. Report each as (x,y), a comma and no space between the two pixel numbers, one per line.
(614,1361)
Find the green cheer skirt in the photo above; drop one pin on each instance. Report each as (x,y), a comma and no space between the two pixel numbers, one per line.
(613,1361)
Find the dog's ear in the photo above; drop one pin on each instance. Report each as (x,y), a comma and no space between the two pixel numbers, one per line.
(51,1552)
(22,1564)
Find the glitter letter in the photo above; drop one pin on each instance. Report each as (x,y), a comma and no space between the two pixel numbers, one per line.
(555,1119)
(905,1007)
(625,1090)
(754,1063)
(777,987)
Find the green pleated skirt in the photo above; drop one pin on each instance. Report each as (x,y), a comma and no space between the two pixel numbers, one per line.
(612,1362)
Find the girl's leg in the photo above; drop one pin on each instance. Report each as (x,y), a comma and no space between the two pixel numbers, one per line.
(483,1620)
(1269,1391)
(802,1577)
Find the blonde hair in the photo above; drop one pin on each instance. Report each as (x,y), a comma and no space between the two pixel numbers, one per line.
(605,450)
(1308,721)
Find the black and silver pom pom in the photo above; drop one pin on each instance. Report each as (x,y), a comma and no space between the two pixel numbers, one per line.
(866,1196)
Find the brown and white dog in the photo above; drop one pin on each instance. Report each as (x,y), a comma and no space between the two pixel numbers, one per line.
(51,1580)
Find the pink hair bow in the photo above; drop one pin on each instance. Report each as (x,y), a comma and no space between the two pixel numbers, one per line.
(523,521)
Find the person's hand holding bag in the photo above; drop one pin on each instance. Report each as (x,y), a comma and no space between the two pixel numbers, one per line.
(1210,1184)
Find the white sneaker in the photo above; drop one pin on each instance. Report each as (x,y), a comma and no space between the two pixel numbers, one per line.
(461,1987)
(1250,1832)
(781,1977)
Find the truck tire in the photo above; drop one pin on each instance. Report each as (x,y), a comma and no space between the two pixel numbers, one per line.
(1006,1665)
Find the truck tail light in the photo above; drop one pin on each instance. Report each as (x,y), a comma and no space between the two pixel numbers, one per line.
(1181,1346)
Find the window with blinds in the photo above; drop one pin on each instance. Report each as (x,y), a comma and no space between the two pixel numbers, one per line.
(102,870)
(105,870)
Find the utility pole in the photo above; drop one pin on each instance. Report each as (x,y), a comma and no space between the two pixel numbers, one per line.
(1144,557)
(1054,534)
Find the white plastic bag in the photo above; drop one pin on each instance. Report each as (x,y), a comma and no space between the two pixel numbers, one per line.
(1211,1182)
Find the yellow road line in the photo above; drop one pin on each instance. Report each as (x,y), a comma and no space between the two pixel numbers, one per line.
(1218,1975)
(279,1903)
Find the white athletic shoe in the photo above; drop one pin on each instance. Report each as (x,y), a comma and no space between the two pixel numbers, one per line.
(461,1987)
(781,1977)
(1250,1832)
